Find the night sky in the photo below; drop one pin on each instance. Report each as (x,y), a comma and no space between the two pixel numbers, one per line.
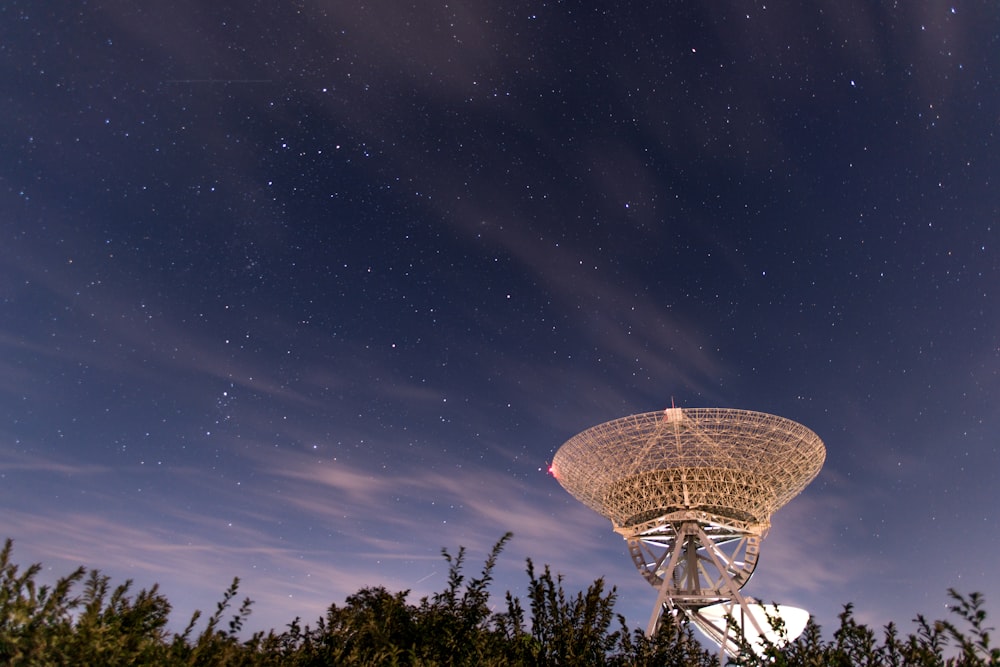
(304,292)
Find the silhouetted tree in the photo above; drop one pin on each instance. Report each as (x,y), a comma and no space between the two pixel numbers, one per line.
(103,625)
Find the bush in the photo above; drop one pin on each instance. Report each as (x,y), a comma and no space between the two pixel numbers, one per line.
(51,626)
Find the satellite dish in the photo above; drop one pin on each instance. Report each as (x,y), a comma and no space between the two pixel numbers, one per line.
(713,622)
(692,491)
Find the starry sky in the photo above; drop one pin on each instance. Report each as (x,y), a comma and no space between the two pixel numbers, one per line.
(305,292)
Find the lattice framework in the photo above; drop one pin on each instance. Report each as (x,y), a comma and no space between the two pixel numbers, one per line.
(729,465)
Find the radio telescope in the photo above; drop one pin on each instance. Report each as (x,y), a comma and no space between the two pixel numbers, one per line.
(692,491)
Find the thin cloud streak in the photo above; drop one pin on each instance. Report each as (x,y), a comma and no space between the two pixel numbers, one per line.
(15,461)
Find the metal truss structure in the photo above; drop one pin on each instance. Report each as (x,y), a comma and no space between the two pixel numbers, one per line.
(692,491)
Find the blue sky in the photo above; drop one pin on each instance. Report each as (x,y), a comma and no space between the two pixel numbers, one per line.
(305,294)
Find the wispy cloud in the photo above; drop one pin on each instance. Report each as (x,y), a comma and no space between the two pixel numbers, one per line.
(12,460)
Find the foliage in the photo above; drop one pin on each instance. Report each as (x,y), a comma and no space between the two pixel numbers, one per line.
(103,625)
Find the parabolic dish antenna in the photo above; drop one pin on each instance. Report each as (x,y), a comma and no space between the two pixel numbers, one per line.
(714,623)
(692,491)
